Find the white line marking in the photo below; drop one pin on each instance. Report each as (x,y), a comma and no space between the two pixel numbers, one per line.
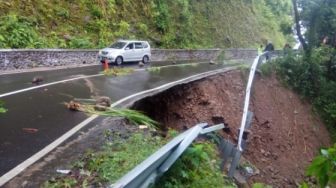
(15,171)
(166,85)
(48,84)
(71,79)
(22,166)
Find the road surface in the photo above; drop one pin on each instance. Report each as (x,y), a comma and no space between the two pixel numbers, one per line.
(43,108)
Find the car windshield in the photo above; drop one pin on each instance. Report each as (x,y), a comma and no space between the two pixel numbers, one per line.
(118,45)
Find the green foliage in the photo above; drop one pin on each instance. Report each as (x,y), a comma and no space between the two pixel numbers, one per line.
(63,13)
(154,69)
(323,167)
(80,42)
(318,16)
(167,24)
(62,183)
(96,11)
(116,158)
(260,185)
(2,109)
(197,167)
(161,15)
(124,28)
(267,69)
(118,71)
(282,10)
(133,116)
(313,77)
(16,32)
(304,185)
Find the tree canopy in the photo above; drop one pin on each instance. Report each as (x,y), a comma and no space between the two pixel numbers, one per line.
(319,18)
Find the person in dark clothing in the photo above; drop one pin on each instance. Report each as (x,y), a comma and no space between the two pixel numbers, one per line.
(287,48)
(269,48)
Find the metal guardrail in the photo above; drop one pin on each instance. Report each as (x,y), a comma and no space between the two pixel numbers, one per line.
(145,173)
(256,61)
(259,59)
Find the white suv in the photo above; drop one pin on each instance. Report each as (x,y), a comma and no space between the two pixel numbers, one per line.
(126,51)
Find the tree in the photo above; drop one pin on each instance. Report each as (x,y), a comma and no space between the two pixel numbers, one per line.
(298,26)
(319,18)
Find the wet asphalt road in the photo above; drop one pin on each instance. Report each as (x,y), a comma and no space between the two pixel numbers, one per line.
(43,109)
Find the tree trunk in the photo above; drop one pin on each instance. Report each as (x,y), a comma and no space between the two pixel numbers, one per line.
(298,27)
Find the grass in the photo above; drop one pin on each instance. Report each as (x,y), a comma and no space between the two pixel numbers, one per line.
(158,69)
(154,69)
(260,185)
(116,158)
(267,69)
(2,109)
(133,116)
(186,24)
(197,167)
(118,71)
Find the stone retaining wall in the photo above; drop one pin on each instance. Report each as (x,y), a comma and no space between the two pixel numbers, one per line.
(27,59)
(240,53)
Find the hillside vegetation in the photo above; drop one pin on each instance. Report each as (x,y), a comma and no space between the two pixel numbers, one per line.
(167,24)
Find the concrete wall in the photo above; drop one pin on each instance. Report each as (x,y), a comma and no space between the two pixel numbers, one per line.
(240,53)
(27,59)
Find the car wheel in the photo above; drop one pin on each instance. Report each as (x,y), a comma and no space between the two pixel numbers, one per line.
(145,59)
(119,60)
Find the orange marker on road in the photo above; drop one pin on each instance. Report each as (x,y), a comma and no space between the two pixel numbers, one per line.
(106,66)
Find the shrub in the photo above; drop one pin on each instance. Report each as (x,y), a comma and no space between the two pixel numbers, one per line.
(115,159)
(197,167)
(312,77)
(323,167)
(80,43)
(2,109)
(16,32)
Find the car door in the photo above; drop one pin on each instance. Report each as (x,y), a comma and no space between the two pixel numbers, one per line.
(139,51)
(130,53)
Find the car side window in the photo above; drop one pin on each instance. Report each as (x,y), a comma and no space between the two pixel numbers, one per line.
(130,46)
(138,45)
(145,45)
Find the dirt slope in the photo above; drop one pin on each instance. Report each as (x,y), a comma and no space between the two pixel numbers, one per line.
(285,134)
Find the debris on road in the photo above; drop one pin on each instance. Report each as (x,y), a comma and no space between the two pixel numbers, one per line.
(143,127)
(100,108)
(141,64)
(37,80)
(74,106)
(87,105)
(118,71)
(63,171)
(30,130)
(85,101)
(2,109)
(104,101)
(212,62)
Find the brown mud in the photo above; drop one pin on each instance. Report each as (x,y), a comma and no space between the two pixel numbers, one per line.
(285,134)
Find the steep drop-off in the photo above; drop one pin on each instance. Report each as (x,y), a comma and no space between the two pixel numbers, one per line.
(285,134)
(167,24)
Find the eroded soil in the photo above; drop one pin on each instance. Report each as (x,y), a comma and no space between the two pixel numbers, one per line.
(285,135)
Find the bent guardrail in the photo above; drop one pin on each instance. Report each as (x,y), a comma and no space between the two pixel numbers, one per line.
(158,163)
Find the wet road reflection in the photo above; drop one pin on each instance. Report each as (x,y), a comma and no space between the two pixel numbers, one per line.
(43,109)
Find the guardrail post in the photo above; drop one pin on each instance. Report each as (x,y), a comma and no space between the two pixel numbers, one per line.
(235,162)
